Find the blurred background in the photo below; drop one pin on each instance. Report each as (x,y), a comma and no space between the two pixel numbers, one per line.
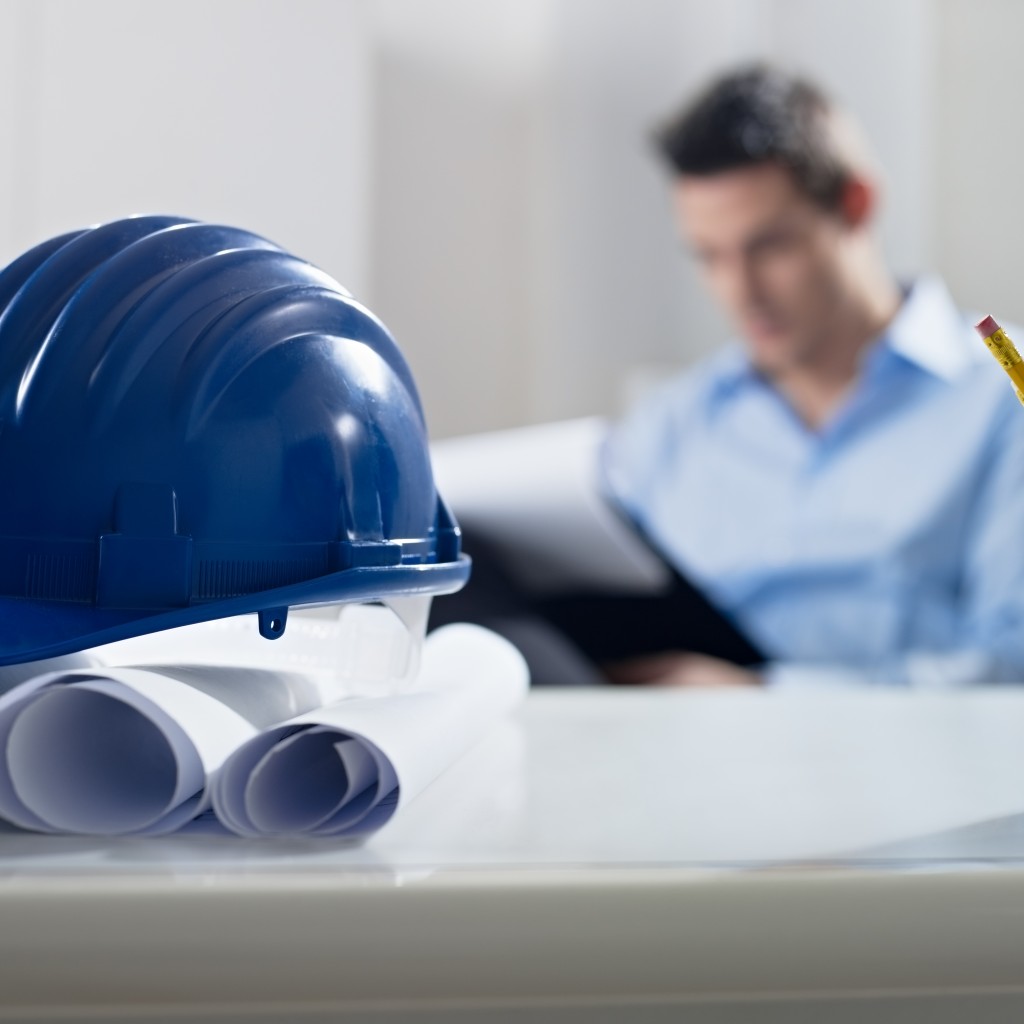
(479,171)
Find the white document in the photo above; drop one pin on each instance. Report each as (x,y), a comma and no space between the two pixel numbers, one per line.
(534,493)
(128,750)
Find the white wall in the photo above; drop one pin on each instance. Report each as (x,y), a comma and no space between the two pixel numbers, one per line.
(978,162)
(524,250)
(479,170)
(456,87)
(615,287)
(248,112)
(17,33)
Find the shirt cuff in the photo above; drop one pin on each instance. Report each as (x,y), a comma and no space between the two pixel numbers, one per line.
(918,670)
(795,676)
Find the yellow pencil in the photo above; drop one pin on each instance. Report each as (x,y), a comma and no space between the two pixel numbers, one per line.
(1005,352)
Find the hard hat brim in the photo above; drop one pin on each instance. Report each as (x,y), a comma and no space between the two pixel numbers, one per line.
(34,630)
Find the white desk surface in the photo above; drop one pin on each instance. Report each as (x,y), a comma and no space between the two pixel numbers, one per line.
(614,855)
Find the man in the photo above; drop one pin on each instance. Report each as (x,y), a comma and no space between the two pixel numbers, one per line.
(847,482)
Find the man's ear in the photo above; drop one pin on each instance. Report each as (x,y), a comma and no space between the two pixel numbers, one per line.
(857,202)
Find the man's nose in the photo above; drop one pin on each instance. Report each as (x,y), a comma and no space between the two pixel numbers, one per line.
(740,285)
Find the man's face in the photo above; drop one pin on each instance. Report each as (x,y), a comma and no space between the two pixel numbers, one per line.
(772,257)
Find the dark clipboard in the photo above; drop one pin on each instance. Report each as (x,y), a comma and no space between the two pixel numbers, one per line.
(609,626)
(614,627)
(604,625)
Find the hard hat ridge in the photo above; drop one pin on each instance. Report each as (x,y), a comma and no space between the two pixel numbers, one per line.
(197,424)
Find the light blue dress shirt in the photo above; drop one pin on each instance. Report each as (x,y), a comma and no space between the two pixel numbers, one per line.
(886,547)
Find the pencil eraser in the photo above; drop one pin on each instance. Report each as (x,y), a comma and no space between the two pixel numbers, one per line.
(987,327)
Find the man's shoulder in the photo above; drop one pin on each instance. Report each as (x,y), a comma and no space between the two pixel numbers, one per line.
(690,388)
(640,444)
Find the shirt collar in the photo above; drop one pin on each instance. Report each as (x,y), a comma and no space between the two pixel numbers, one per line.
(928,331)
(730,370)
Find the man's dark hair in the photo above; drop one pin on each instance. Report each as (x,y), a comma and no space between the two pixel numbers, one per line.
(756,115)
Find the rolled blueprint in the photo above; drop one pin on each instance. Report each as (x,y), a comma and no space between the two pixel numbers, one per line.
(344,769)
(123,738)
(110,750)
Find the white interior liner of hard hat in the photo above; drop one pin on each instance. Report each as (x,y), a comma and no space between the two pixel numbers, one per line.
(351,649)
(255,736)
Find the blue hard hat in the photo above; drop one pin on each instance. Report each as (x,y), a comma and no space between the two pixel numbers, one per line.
(194,424)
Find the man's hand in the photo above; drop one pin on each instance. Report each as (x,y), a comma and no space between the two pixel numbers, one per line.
(680,668)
